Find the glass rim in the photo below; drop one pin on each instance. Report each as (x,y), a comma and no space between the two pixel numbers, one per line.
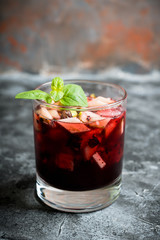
(75,108)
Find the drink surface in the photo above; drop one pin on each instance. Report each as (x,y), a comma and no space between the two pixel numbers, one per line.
(81,152)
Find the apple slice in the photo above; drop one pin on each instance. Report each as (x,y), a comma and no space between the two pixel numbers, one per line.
(54,114)
(99,160)
(89,117)
(109,113)
(98,101)
(118,123)
(93,119)
(44,113)
(122,126)
(73,125)
(110,127)
(105,100)
(88,152)
(90,143)
(95,103)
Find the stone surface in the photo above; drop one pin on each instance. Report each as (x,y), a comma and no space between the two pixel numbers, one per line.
(41,36)
(135,215)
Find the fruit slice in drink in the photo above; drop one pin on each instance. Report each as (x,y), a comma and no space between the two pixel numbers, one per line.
(90,142)
(97,158)
(73,125)
(99,101)
(93,119)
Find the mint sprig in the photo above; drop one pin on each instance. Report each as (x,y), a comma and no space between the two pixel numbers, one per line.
(68,95)
(35,94)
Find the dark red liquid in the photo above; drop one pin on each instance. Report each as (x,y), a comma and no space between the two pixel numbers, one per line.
(68,160)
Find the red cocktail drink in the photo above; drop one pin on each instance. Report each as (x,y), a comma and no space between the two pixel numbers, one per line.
(72,155)
(79,150)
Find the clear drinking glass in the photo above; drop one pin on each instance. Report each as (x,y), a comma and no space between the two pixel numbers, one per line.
(79,164)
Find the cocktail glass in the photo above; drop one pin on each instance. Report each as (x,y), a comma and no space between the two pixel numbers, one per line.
(79,151)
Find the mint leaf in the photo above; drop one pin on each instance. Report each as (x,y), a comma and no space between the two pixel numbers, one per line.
(35,94)
(57,95)
(57,88)
(74,96)
(57,84)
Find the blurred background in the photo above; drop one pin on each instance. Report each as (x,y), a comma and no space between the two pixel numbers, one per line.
(79,36)
(111,40)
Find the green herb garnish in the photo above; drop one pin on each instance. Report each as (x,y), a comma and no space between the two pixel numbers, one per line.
(73,96)
(57,89)
(35,94)
(68,95)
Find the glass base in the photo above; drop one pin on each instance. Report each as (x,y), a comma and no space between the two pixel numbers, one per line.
(78,201)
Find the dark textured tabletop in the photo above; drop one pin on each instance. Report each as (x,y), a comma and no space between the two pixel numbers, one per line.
(136,213)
